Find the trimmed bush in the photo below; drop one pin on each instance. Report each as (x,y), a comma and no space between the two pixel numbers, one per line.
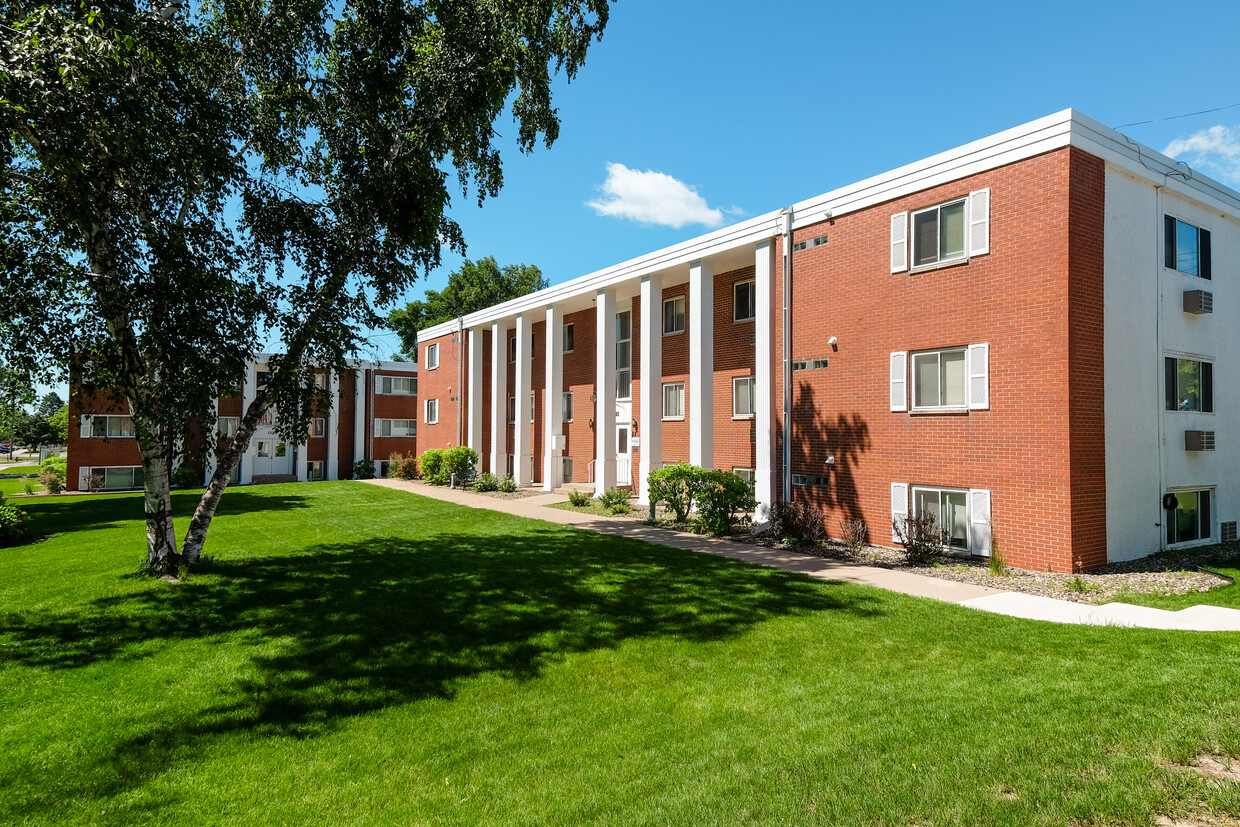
(676,486)
(721,498)
(797,524)
(921,537)
(616,501)
(486,482)
(59,465)
(364,469)
(432,463)
(508,485)
(578,499)
(12,523)
(440,464)
(401,467)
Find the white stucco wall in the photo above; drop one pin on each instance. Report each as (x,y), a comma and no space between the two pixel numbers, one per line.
(1145,322)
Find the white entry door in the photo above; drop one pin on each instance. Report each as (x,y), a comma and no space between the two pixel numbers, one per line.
(271,457)
(624,460)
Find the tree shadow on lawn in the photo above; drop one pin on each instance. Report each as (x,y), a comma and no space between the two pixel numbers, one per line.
(62,514)
(356,627)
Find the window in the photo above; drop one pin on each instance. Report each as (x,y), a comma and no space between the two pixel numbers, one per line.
(512,349)
(950,510)
(1189,518)
(743,301)
(120,478)
(399,385)
(567,470)
(396,427)
(674,316)
(281,449)
(939,379)
(319,426)
(810,480)
(566,406)
(320,381)
(512,409)
(1186,248)
(226,426)
(744,473)
(1189,385)
(234,478)
(624,355)
(674,400)
(938,234)
(268,417)
(432,356)
(742,397)
(568,338)
(432,411)
(314,470)
(382,468)
(112,427)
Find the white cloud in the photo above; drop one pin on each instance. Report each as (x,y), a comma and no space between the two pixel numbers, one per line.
(1215,151)
(653,198)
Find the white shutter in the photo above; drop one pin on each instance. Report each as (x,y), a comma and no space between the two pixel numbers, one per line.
(899,381)
(378,383)
(87,420)
(376,428)
(979,518)
(979,222)
(899,503)
(899,242)
(84,478)
(979,377)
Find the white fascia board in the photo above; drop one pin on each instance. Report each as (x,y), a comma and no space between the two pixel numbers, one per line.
(400,367)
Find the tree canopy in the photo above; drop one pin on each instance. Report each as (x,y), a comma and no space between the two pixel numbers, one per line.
(184,183)
(475,286)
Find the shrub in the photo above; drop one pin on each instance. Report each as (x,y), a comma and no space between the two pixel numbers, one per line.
(996,563)
(183,477)
(854,531)
(27,484)
(616,501)
(721,499)
(364,469)
(440,464)
(94,483)
(487,482)
(508,485)
(52,481)
(12,523)
(921,537)
(58,464)
(578,499)
(401,467)
(676,486)
(797,523)
(432,463)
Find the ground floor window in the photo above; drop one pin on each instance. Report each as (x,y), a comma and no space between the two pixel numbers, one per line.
(314,469)
(119,479)
(382,466)
(951,511)
(512,460)
(744,473)
(235,477)
(1188,516)
(568,469)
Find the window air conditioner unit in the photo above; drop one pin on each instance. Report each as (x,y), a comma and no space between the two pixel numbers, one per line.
(1199,440)
(1198,302)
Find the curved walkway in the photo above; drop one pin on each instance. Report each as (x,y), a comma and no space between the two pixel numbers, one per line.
(1015,604)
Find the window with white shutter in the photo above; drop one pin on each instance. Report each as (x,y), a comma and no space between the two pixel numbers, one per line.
(979,521)
(899,242)
(899,381)
(979,222)
(899,502)
(87,422)
(979,377)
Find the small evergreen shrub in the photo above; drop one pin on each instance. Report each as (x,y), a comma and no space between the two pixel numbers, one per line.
(486,482)
(797,524)
(676,486)
(364,469)
(52,481)
(616,501)
(401,467)
(508,485)
(12,523)
(855,532)
(578,499)
(921,537)
(184,477)
(721,499)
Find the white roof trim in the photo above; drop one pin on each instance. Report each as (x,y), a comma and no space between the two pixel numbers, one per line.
(1066,128)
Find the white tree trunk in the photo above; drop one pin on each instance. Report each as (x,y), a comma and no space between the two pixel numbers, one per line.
(161,541)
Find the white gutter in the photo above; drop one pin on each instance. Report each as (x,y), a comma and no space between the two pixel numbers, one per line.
(788,218)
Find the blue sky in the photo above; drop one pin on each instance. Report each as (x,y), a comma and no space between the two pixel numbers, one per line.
(752,110)
(755,106)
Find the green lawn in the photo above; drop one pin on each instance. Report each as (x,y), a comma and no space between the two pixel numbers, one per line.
(365,656)
(1228,596)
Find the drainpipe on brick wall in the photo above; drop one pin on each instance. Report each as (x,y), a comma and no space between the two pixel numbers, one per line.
(460,362)
(786,454)
(1158,365)
(370,411)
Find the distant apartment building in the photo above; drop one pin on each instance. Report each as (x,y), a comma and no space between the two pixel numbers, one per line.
(374,414)
(1030,336)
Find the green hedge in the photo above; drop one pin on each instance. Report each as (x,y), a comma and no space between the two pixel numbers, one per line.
(439,464)
(721,497)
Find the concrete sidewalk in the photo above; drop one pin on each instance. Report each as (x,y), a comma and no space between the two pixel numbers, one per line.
(1014,604)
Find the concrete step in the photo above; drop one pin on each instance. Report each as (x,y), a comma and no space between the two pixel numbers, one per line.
(270,479)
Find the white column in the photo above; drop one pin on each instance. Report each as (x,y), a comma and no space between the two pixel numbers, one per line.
(650,417)
(701,365)
(209,472)
(499,398)
(333,430)
(522,467)
(359,415)
(248,392)
(763,337)
(299,455)
(474,413)
(553,409)
(605,392)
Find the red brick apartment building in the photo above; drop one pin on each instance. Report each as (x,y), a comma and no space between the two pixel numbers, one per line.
(1022,335)
(374,414)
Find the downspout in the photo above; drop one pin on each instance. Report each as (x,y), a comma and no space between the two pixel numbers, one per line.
(370,412)
(786,454)
(1159,363)
(460,362)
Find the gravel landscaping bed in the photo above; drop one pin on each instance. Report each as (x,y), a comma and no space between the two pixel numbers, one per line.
(1170,573)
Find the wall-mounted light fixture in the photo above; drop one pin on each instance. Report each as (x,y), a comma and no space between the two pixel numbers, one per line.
(834,343)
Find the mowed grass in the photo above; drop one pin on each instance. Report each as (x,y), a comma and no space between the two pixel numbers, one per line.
(365,656)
